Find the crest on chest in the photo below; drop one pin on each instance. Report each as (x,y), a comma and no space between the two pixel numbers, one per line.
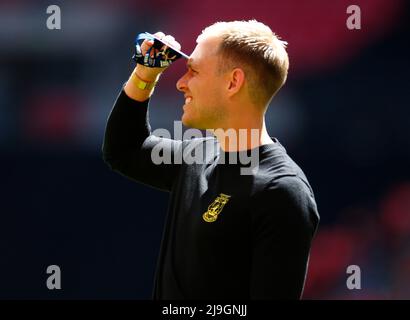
(215,208)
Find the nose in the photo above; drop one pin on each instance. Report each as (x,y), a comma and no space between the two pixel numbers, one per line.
(182,83)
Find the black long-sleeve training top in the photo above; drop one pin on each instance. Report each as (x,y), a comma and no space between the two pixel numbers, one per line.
(227,235)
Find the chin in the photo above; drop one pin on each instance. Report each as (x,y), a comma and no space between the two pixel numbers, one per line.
(192,122)
(187,122)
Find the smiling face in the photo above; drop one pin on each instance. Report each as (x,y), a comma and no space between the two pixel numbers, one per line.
(203,88)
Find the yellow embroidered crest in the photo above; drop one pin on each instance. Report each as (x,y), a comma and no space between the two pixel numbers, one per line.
(215,208)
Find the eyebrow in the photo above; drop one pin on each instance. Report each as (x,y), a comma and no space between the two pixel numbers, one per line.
(190,64)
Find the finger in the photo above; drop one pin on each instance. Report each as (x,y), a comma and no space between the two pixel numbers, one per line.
(159,34)
(176,45)
(146,44)
(170,40)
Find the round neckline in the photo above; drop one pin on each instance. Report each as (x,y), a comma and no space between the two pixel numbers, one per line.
(261,148)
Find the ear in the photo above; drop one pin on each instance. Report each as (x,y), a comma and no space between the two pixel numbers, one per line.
(236,81)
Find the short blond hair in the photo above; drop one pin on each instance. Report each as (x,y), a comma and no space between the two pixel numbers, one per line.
(253,47)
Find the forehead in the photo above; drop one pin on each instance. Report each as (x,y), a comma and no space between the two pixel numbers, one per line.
(204,51)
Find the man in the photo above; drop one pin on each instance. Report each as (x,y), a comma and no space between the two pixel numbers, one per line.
(227,234)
